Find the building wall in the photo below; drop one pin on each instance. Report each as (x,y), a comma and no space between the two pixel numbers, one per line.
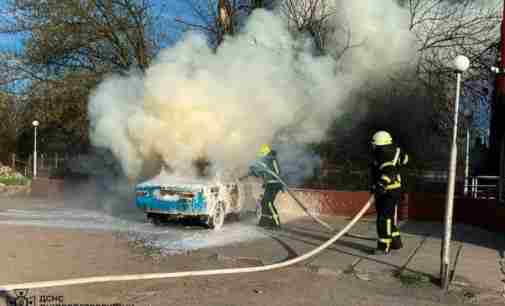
(485,213)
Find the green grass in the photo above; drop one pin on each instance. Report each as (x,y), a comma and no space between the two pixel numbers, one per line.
(412,279)
(13,180)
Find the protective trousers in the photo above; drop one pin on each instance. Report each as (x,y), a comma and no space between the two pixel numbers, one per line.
(387,230)
(269,214)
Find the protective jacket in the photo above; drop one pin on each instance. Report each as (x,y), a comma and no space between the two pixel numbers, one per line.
(270,162)
(386,170)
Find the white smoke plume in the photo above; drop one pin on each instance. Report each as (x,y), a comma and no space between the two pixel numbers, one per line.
(261,85)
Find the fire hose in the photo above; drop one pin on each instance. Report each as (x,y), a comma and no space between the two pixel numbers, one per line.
(113,278)
(305,209)
(290,262)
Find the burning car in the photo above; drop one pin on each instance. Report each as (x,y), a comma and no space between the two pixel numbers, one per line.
(164,198)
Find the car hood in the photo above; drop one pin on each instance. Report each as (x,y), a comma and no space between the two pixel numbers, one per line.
(182,183)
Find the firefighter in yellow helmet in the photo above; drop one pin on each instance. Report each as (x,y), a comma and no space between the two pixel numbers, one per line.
(387,188)
(267,159)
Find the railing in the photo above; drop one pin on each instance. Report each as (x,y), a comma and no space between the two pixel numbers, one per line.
(482,187)
(45,164)
(501,189)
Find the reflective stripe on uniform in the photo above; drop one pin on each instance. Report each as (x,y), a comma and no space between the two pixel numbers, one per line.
(386,164)
(387,242)
(395,234)
(405,159)
(275,216)
(386,178)
(388,227)
(276,167)
(389,186)
(393,162)
(395,185)
(266,167)
(397,156)
(262,164)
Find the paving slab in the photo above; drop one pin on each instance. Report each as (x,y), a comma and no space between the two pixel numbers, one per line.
(427,258)
(479,267)
(396,260)
(481,261)
(476,255)
(299,237)
(333,257)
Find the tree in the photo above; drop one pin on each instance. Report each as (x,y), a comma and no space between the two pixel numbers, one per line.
(313,17)
(69,47)
(8,124)
(218,18)
(61,107)
(97,36)
(445,29)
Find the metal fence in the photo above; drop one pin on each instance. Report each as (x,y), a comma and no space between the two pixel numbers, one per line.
(482,187)
(46,164)
(478,187)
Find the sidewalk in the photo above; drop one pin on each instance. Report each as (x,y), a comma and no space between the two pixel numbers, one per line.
(475,253)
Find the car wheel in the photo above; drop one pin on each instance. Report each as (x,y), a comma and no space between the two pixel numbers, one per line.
(154,219)
(217,219)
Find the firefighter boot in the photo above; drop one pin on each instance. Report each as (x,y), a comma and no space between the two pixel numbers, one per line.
(396,244)
(378,252)
(383,247)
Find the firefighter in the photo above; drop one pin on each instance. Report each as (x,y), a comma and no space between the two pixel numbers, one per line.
(267,159)
(387,188)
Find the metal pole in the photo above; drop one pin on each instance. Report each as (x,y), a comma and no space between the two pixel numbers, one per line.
(467,159)
(474,187)
(35,153)
(445,262)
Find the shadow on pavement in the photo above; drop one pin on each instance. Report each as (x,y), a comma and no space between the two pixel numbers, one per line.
(460,233)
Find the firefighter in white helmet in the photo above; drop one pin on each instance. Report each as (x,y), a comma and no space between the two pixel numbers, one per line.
(387,188)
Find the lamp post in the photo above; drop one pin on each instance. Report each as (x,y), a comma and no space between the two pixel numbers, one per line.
(468,115)
(35,124)
(461,63)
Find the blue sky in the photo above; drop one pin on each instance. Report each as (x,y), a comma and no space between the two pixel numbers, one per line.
(169,11)
(11,42)
(481,118)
